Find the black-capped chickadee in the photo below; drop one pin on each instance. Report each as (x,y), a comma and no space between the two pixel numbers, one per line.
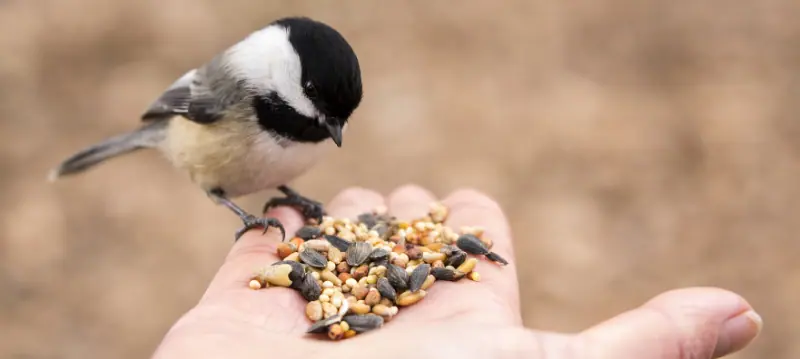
(254,117)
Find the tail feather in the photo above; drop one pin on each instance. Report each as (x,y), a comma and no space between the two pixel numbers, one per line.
(148,136)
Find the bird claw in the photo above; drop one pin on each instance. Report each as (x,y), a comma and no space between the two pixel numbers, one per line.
(310,209)
(251,222)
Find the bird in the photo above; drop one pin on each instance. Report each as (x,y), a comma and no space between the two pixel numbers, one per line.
(255,116)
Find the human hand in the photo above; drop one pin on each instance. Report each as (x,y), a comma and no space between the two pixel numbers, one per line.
(456,320)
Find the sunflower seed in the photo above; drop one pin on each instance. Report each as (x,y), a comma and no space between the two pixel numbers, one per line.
(494,257)
(385,289)
(378,254)
(338,242)
(363,322)
(309,288)
(313,258)
(471,244)
(358,253)
(369,219)
(382,229)
(397,277)
(418,276)
(308,232)
(446,274)
(456,259)
(321,326)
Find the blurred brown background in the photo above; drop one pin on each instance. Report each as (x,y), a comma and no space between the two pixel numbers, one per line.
(637,146)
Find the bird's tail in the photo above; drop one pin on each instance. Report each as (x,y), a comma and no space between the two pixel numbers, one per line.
(147,136)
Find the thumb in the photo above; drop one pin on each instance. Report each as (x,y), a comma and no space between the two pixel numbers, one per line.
(686,323)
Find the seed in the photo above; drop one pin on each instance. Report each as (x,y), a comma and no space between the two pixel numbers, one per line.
(337,301)
(328,291)
(335,332)
(475,276)
(324,298)
(330,231)
(349,334)
(277,274)
(318,245)
(468,265)
(418,276)
(308,232)
(382,310)
(284,250)
(335,255)
(297,274)
(494,257)
(330,277)
(358,253)
(328,310)
(294,257)
(379,270)
(437,264)
(413,252)
(327,284)
(344,277)
(255,284)
(381,262)
(337,242)
(359,308)
(369,219)
(386,289)
(438,212)
(315,274)
(314,310)
(397,277)
(321,326)
(401,260)
(378,254)
(364,322)
(429,282)
(359,291)
(448,274)
(430,257)
(409,298)
(373,297)
(435,247)
(313,258)
(343,267)
(471,244)
(345,326)
(351,282)
(310,289)
(361,272)
(456,259)
(296,242)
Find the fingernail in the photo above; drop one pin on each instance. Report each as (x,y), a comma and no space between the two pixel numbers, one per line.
(737,332)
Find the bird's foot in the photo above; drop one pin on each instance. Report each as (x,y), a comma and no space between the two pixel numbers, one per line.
(251,222)
(311,209)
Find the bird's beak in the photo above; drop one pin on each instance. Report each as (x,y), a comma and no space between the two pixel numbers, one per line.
(335,129)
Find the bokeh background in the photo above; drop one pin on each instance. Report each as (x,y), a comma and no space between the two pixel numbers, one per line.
(637,146)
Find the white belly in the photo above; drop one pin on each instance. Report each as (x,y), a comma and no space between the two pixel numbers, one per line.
(237,157)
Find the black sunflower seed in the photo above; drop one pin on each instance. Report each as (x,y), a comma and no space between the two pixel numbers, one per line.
(338,242)
(378,254)
(364,322)
(494,257)
(298,271)
(358,253)
(369,219)
(456,259)
(308,232)
(386,290)
(446,274)
(471,244)
(313,258)
(398,277)
(321,326)
(309,288)
(418,276)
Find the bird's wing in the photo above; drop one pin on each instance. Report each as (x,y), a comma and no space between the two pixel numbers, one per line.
(189,97)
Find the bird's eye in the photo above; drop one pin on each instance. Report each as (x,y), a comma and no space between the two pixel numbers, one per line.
(310,90)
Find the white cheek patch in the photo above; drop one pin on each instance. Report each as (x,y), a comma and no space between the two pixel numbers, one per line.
(269,63)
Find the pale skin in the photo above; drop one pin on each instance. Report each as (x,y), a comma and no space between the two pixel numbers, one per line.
(457,320)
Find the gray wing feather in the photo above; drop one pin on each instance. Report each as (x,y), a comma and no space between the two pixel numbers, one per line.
(189,96)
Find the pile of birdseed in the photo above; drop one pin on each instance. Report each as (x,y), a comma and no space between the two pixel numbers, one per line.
(356,275)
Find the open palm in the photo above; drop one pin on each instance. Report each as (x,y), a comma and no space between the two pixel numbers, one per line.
(456,319)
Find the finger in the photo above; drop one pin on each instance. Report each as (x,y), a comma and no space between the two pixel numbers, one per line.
(687,323)
(354,201)
(255,250)
(498,283)
(409,202)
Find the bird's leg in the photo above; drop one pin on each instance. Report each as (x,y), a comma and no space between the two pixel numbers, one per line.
(250,221)
(310,208)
